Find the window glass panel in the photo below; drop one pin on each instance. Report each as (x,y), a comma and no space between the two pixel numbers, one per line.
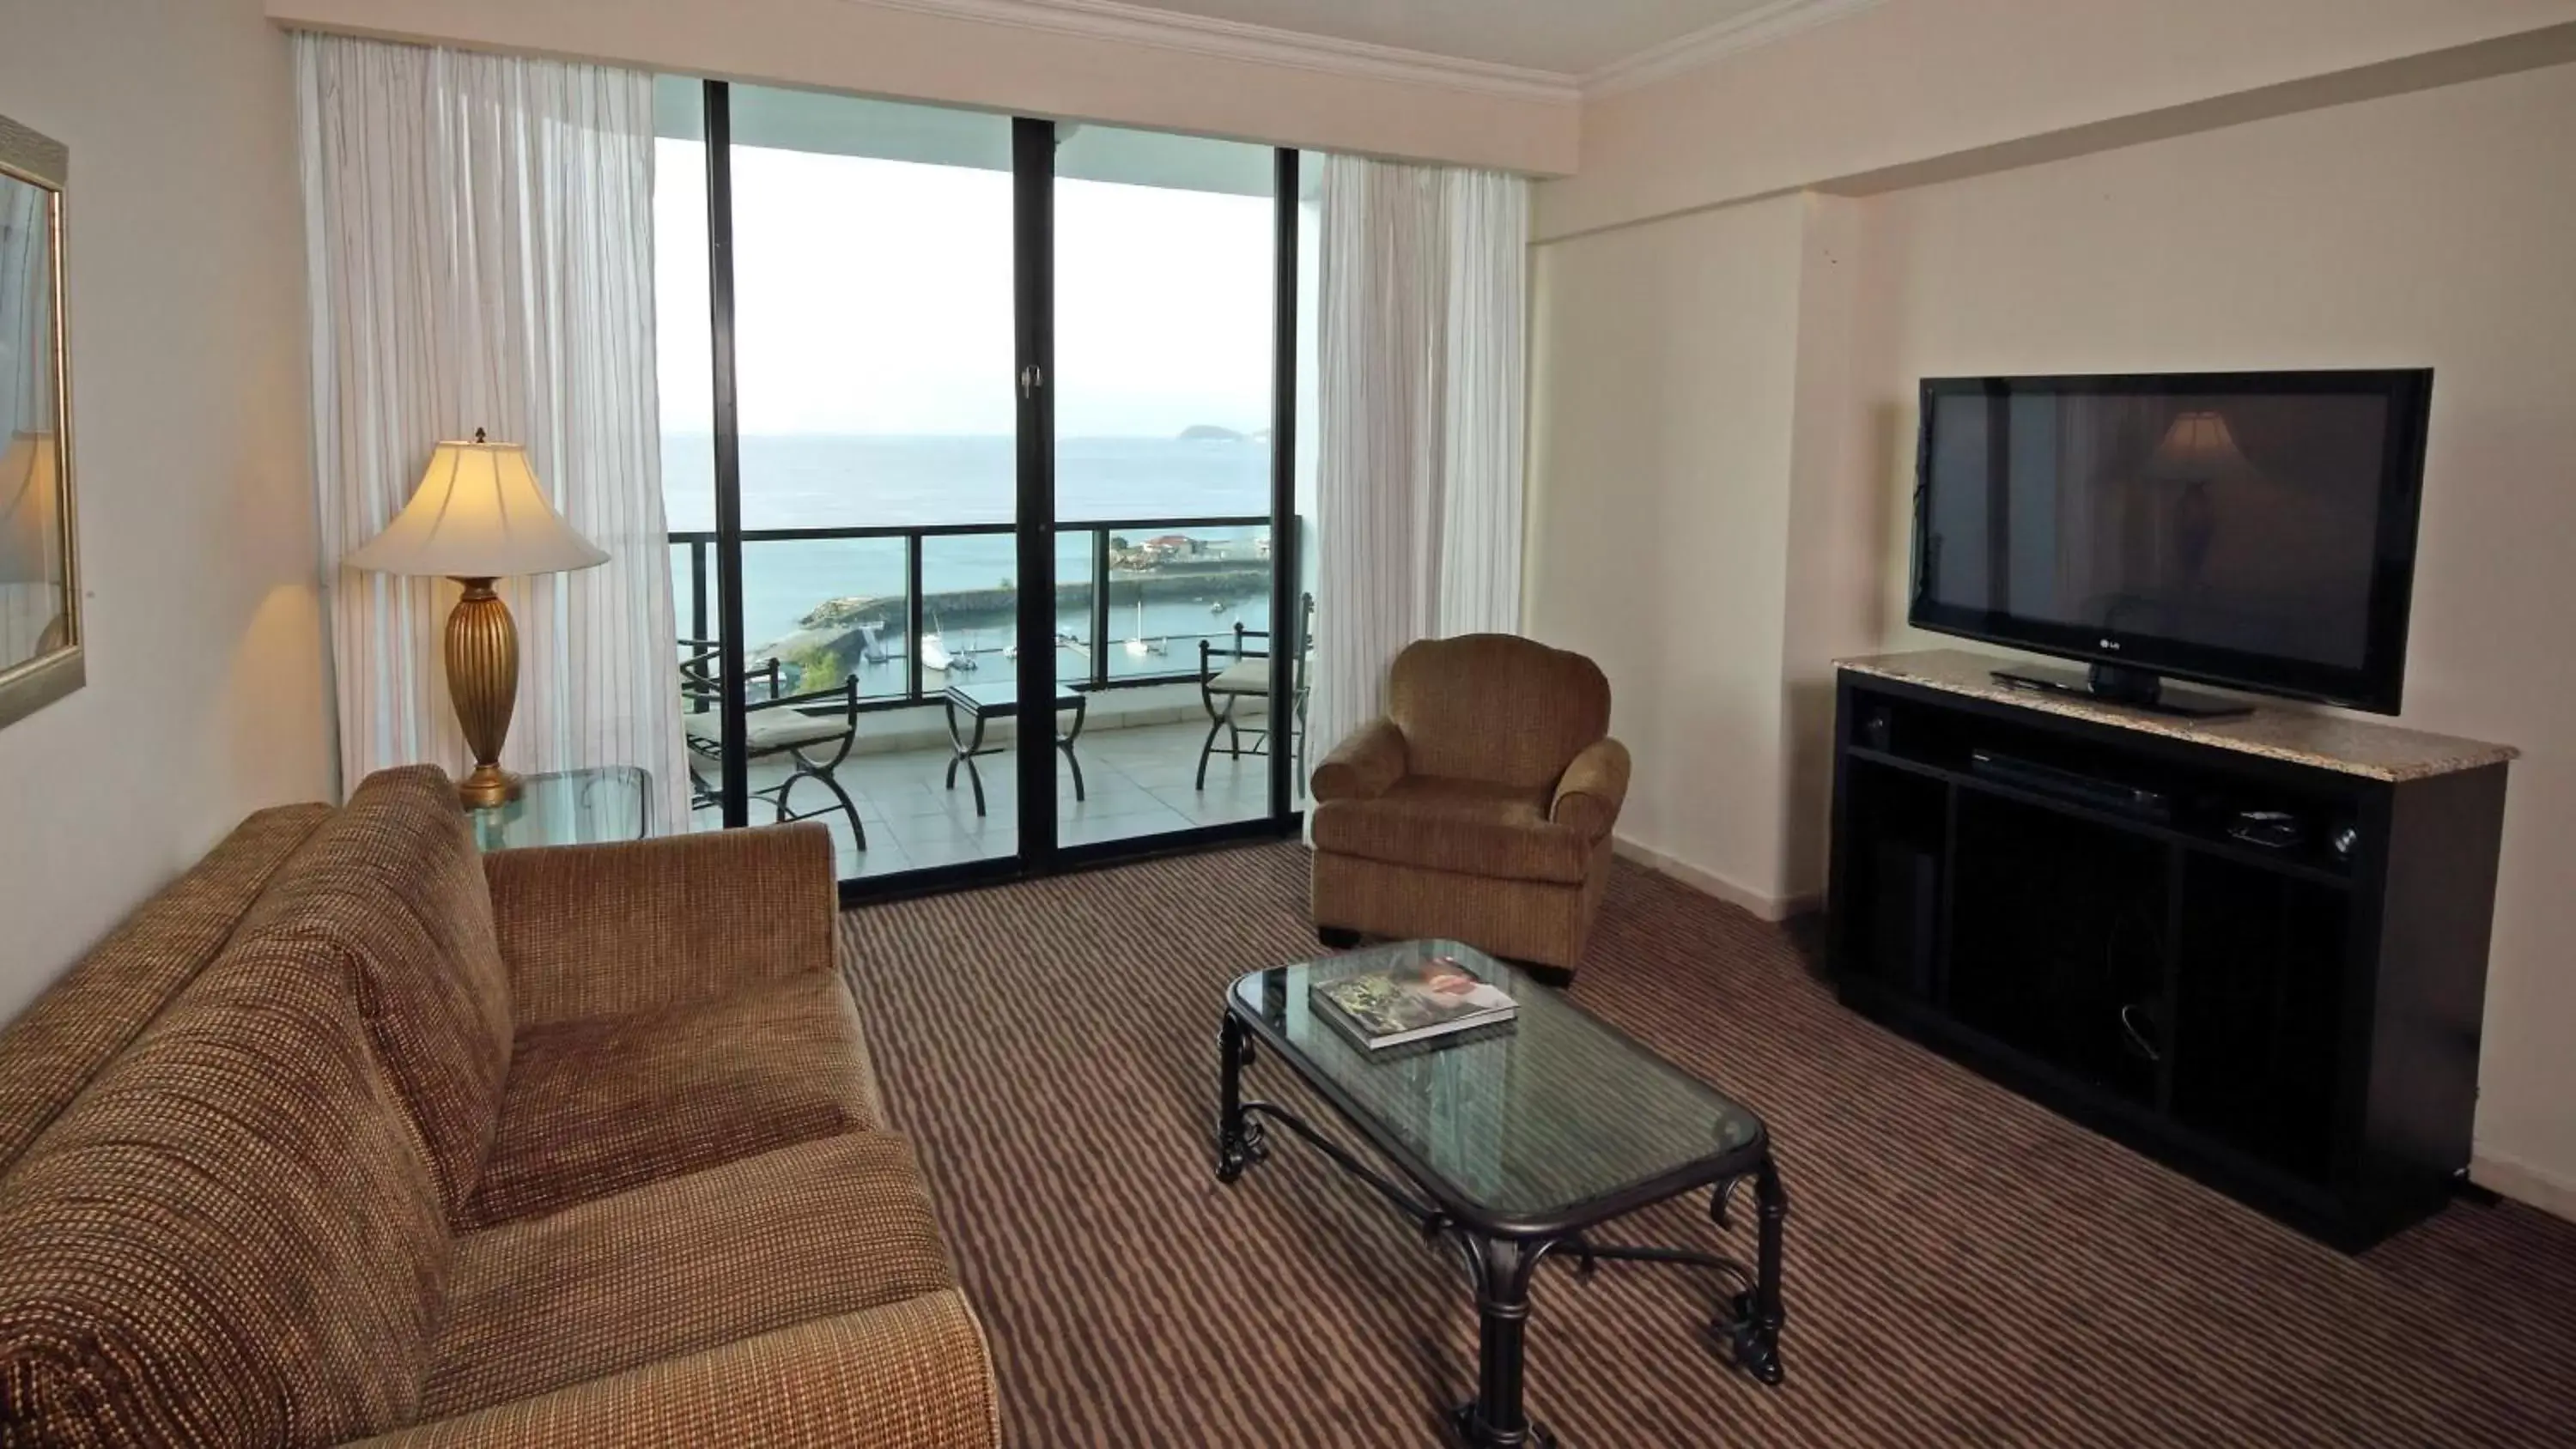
(1164,353)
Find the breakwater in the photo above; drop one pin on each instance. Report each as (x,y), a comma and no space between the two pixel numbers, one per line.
(994,607)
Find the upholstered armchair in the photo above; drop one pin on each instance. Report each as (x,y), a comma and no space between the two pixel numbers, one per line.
(1478,808)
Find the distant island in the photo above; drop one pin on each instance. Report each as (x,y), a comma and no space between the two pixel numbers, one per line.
(1211,433)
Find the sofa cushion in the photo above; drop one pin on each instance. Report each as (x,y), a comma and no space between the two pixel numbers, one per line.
(393,881)
(684,1265)
(1465,826)
(232,1236)
(102,1004)
(909,1375)
(600,930)
(602,1105)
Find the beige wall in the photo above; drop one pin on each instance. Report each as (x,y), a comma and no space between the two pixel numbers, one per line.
(188,395)
(2426,229)
(1655,535)
(1691,483)
(887,50)
(1909,80)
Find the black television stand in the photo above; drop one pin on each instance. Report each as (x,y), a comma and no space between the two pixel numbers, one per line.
(2254,948)
(2117,684)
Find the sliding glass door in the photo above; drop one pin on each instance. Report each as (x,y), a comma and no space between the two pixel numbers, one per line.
(1166,270)
(974,491)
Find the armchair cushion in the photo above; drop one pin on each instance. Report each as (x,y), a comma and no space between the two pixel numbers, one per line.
(605,1104)
(1363,766)
(1495,707)
(683,1266)
(1471,827)
(1594,787)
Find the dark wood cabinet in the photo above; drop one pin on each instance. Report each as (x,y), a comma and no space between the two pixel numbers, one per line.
(2064,897)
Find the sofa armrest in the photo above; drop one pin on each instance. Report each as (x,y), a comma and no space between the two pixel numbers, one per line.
(1363,766)
(1592,789)
(600,930)
(908,1375)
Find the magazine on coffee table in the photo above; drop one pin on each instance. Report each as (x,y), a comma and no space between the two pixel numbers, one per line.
(1412,1002)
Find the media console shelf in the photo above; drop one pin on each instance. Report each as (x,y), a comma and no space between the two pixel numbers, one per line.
(2059,893)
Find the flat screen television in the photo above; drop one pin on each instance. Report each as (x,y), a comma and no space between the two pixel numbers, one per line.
(2249,529)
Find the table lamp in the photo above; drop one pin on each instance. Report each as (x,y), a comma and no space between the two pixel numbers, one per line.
(479,515)
(30,524)
(2197,452)
(2198,447)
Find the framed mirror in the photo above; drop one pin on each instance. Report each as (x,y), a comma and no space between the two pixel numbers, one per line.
(40,625)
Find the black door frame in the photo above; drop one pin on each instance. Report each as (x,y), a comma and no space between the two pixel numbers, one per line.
(1033,144)
(1033,318)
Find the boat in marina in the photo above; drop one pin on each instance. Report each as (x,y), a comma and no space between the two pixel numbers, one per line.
(935,653)
(1140,647)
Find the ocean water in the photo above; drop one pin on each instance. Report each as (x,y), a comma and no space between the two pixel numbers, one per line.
(815,481)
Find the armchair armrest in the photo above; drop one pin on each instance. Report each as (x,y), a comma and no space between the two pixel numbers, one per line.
(908,1375)
(597,930)
(1363,766)
(1592,789)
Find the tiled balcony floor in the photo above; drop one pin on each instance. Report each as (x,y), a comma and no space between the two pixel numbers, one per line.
(1137,781)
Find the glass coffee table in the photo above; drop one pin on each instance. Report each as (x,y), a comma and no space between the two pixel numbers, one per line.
(1513,1143)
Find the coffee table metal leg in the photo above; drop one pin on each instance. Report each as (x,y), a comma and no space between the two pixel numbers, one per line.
(1502,1268)
(1239,1142)
(1754,1333)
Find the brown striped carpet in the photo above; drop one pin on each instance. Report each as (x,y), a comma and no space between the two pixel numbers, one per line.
(1963,1266)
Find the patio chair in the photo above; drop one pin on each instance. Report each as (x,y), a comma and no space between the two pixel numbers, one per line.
(1234,684)
(775,727)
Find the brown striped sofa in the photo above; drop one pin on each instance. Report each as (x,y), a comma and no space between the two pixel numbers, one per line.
(353,1135)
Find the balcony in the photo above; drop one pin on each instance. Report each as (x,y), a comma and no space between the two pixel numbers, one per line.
(906,613)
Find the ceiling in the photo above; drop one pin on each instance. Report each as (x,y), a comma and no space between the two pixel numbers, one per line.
(1570,37)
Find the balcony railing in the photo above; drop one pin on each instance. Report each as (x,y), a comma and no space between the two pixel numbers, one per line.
(1168,657)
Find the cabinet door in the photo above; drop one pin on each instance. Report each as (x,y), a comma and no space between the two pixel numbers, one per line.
(2258,1002)
(2058,940)
(1887,907)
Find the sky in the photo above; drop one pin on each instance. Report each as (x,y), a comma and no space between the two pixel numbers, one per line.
(874,297)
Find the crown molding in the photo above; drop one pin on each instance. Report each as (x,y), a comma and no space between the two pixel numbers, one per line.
(1115,20)
(1760,26)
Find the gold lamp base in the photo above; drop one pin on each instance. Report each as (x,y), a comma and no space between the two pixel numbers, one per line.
(483,679)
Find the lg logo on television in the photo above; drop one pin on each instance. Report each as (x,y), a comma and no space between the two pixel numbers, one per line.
(2111,644)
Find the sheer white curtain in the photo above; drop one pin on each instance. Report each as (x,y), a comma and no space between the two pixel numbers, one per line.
(479,238)
(1424,293)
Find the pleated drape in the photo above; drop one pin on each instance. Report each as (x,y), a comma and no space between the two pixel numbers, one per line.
(479,237)
(1421,319)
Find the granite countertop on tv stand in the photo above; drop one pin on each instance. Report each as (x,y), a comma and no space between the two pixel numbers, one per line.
(2301,736)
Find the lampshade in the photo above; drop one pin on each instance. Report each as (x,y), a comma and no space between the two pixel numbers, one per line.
(30,510)
(478,514)
(2198,445)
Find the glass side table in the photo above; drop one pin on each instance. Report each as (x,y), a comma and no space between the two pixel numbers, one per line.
(569,807)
